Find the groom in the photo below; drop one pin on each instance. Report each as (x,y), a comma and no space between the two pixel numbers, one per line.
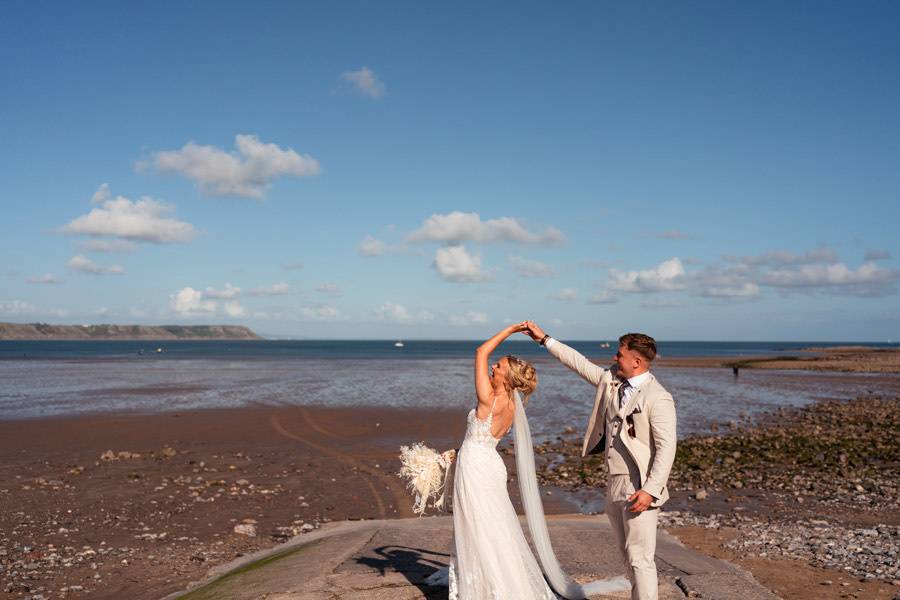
(633,424)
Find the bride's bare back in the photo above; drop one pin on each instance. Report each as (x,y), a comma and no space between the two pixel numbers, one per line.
(504,412)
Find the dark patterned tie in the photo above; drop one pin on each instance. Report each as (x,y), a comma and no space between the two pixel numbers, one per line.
(625,385)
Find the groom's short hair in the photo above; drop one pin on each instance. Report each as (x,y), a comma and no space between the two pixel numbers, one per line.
(640,343)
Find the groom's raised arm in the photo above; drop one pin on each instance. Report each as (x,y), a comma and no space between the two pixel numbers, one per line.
(567,355)
(575,360)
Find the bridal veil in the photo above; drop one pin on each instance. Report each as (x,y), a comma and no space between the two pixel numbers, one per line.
(561,583)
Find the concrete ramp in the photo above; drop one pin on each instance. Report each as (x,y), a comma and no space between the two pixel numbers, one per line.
(390,559)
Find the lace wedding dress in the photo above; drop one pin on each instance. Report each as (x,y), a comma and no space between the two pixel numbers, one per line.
(491,559)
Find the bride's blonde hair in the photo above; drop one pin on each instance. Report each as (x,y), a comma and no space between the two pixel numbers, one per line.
(521,376)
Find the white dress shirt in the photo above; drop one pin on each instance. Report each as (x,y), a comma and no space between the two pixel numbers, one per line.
(634,384)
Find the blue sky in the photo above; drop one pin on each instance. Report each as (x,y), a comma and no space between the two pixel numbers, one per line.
(700,170)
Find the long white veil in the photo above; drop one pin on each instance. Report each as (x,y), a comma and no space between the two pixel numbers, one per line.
(561,583)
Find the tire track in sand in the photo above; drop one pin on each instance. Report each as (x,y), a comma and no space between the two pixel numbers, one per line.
(397,495)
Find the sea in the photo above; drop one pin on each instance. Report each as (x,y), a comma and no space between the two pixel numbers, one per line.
(40,379)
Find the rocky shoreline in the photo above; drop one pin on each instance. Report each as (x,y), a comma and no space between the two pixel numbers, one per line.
(137,506)
(818,484)
(844,359)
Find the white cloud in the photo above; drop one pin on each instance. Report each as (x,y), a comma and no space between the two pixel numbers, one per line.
(103,312)
(668,275)
(531,268)
(397,313)
(86,265)
(867,280)
(457,227)
(877,255)
(234,309)
(247,173)
(455,264)
(45,278)
(226,293)
(17,307)
(108,246)
(365,81)
(603,297)
(329,288)
(101,195)
(392,312)
(780,258)
(276,289)
(747,289)
(320,312)
(472,317)
(188,301)
(732,281)
(565,294)
(372,247)
(142,220)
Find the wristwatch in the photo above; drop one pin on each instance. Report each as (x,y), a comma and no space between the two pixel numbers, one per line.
(544,339)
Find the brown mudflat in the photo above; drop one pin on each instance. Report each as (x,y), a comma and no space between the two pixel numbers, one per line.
(160,509)
(846,359)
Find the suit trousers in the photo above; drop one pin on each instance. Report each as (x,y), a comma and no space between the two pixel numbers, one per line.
(636,536)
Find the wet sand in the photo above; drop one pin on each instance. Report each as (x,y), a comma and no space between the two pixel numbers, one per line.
(844,359)
(160,509)
(137,506)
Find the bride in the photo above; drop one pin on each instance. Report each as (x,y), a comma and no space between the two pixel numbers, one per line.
(490,557)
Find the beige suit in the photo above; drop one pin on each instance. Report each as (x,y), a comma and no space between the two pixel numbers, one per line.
(648,456)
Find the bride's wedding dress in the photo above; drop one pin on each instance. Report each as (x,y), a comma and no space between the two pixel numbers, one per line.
(491,559)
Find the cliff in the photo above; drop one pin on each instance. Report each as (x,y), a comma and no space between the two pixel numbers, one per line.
(43,331)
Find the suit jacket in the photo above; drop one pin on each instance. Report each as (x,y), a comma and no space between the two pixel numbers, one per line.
(652,448)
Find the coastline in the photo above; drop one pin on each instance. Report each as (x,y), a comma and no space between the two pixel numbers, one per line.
(842,359)
(136,504)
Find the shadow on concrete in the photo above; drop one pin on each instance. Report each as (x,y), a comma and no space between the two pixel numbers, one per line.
(415,564)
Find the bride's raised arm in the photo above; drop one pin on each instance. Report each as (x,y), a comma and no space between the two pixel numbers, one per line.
(484,388)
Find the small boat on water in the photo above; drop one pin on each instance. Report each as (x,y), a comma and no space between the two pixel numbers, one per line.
(159,350)
(398,344)
(604,345)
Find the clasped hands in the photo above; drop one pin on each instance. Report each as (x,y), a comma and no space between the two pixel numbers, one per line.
(532,330)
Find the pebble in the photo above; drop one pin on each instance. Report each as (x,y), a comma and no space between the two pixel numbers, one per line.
(852,550)
(245,529)
(792,468)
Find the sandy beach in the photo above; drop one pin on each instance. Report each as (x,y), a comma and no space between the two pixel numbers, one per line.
(109,506)
(140,505)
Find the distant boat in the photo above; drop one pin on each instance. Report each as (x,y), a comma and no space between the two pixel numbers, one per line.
(604,345)
(398,344)
(159,350)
